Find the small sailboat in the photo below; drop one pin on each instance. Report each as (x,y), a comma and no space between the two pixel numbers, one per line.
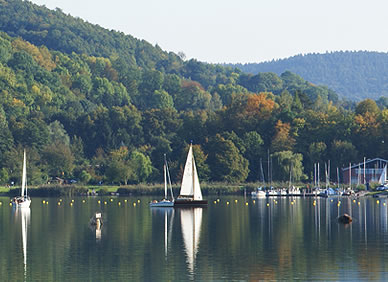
(191,221)
(190,193)
(259,192)
(23,201)
(165,202)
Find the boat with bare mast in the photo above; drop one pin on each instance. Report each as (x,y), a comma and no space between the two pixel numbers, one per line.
(165,202)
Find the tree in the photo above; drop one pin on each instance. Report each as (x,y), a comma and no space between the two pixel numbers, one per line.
(119,169)
(85,177)
(4,176)
(282,141)
(58,134)
(225,161)
(142,167)
(59,160)
(6,139)
(342,153)
(193,97)
(253,146)
(286,163)
(160,99)
(368,105)
(317,151)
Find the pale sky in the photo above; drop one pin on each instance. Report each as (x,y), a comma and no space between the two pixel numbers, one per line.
(226,31)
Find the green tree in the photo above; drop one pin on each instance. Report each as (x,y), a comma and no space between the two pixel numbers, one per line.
(59,160)
(142,166)
(192,96)
(368,105)
(225,161)
(286,163)
(4,176)
(160,99)
(342,153)
(85,177)
(58,134)
(119,169)
(253,145)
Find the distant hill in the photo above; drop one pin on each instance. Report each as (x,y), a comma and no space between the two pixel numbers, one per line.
(353,75)
(132,58)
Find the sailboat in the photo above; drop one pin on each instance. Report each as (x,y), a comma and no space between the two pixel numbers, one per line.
(165,202)
(190,193)
(259,192)
(191,221)
(23,201)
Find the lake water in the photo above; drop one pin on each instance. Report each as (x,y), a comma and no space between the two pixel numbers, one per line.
(234,238)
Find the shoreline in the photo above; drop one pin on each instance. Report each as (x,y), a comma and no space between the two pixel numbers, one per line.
(140,190)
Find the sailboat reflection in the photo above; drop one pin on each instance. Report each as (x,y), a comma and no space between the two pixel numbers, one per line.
(167,229)
(191,221)
(24,216)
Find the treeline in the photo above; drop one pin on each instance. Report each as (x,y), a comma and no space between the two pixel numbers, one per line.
(353,75)
(110,118)
(79,119)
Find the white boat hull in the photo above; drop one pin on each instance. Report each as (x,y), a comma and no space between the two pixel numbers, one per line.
(162,204)
(22,204)
(259,194)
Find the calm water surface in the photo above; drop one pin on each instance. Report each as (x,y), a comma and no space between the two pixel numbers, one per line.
(235,238)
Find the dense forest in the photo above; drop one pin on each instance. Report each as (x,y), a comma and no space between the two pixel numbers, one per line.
(353,75)
(100,106)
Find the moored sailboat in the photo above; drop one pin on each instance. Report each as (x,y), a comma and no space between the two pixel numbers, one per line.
(23,201)
(190,193)
(165,202)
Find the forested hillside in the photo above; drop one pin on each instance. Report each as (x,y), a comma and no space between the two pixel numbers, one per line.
(353,75)
(95,117)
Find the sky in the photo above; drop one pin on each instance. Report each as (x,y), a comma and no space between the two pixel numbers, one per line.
(241,31)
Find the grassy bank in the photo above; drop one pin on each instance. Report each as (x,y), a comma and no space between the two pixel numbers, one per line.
(134,190)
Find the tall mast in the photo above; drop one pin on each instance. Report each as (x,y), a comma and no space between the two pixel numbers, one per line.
(350,175)
(338,184)
(192,168)
(169,180)
(268,168)
(24,175)
(318,175)
(165,177)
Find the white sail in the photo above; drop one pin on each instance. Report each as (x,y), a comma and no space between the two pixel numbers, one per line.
(191,220)
(24,175)
(196,188)
(190,183)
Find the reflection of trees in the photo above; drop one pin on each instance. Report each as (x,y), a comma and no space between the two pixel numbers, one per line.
(281,242)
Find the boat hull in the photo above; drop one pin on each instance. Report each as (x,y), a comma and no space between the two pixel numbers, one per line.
(190,203)
(162,204)
(259,194)
(21,204)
